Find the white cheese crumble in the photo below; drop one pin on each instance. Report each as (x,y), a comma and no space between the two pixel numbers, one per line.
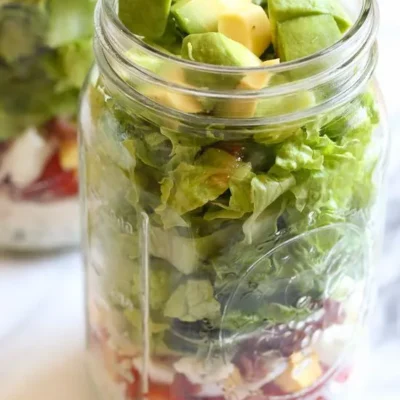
(158,372)
(200,372)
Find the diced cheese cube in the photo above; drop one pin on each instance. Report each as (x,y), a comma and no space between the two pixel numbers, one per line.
(247,108)
(177,101)
(258,80)
(25,160)
(248,25)
(69,155)
(302,372)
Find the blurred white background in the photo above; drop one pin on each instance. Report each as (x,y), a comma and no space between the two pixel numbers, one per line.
(41,301)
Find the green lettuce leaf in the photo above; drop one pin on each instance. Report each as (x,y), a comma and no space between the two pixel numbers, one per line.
(188,253)
(69,21)
(74,61)
(265,190)
(191,186)
(266,316)
(163,279)
(295,155)
(240,202)
(192,301)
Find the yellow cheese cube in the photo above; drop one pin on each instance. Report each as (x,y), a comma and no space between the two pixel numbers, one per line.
(247,108)
(177,101)
(258,80)
(302,372)
(69,155)
(248,25)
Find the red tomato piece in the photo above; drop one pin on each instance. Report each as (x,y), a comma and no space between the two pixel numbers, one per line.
(54,183)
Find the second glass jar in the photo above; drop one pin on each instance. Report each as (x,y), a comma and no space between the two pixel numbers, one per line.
(45,53)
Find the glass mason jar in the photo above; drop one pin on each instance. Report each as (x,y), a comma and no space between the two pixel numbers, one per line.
(230,235)
(45,53)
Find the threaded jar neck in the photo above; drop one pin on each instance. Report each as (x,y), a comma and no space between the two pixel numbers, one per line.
(329,78)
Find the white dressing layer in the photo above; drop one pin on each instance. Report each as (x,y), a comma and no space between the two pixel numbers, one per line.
(27,225)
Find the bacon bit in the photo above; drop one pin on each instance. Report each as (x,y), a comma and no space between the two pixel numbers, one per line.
(252,368)
(182,388)
(270,389)
(233,148)
(61,129)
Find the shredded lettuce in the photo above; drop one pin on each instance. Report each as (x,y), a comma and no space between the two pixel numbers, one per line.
(257,230)
(192,301)
(45,53)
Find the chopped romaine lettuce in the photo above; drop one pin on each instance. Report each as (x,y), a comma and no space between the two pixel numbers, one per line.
(192,301)
(45,53)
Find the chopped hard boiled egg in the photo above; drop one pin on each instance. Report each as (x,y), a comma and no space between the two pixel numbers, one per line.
(248,25)
(199,372)
(25,160)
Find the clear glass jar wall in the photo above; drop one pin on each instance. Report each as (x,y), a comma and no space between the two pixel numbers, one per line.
(230,252)
(45,53)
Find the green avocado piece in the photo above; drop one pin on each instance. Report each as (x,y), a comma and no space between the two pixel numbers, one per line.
(22,31)
(144,17)
(197,16)
(305,36)
(215,48)
(283,10)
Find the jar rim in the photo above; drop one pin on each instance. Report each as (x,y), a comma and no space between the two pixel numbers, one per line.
(351,61)
(368,6)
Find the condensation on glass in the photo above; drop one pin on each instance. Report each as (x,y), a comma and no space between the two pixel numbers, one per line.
(231,255)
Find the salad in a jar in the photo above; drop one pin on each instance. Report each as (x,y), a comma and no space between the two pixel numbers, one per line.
(45,53)
(222,263)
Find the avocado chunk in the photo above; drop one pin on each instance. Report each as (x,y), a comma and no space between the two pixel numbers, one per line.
(201,16)
(22,31)
(304,36)
(197,16)
(283,10)
(215,48)
(144,17)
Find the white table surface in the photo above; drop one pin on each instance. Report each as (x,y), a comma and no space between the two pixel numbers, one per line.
(41,299)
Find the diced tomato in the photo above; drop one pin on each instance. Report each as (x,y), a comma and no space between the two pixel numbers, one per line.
(156,391)
(53,183)
(159,392)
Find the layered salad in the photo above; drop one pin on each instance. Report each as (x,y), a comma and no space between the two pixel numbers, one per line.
(45,53)
(227,263)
